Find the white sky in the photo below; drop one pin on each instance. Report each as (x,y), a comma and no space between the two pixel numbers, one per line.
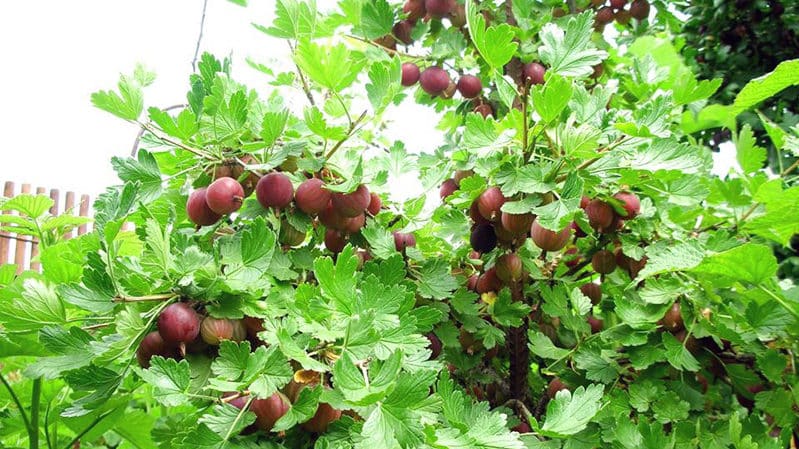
(56,53)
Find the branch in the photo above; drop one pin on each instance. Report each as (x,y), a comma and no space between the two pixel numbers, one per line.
(305,87)
(351,130)
(139,135)
(163,137)
(572,6)
(199,38)
(159,297)
(591,161)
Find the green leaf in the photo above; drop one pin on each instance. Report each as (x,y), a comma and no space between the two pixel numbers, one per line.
(361,390)
(551,99)
(667,154)
(750,156)
(751,263)
(688,90)
(128,103)
(30,305)
(170,380)
(570,51)
(435,280)
(381,241)
(293,20)
(542,346)
(71,347)
(333,67)
(32,206)
(226,420)
(666,257)
(786,74)
(506,312)
(384,83)
(569,413)
(338,281)
(677,355)
(301,410)
(494,43)
(377,18)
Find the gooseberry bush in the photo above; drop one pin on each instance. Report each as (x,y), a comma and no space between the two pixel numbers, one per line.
(572,275)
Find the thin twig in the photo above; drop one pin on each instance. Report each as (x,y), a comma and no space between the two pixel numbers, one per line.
(572,6)
(160,297)
(96,421)
(140,134)
(591,161)
(305,87)
(199,38)
(350,132)
(390,50)
(171,141)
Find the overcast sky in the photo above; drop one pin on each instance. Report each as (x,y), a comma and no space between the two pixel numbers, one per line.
(56,53)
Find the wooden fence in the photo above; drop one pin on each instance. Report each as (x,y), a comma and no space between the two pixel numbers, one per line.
(22,250)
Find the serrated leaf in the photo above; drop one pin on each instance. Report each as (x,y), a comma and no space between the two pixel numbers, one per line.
(569,413)
(569,51)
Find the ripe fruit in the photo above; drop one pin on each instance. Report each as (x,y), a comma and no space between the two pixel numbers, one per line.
(592,291)
(414,9)
(604,15)
(268,411)
(386,41)
(224,195)
(434,80)
(253,325)
(213,330)
(483,238)
(623,17)
(153,344)
(311,196)
(324,415)
(504,237)
(578,231)
(600,215)
(198,211)
(522,427)
(639,9)
(509,267)
(554,386)
(178,323)
(447,188)
(484,109)
(470,86)
(672,320)
(402,31)
(635,266)
(353,203)
(457,17)
(488,281)
(289,235)
(375,203)
(403,240)
(460,175)
(471,283)
(474,214)
(603,262)
(533,73)
(353,224)
(434,346)
(274,190)
(410,74)
(596,324)
(630,203)
(617,4)
(438,8)
(490,202)
(335,241)
(330,217)
(549,240)
(517,224)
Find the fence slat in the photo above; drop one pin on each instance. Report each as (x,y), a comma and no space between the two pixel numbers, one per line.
(35,246)
(5,237)
(69,203)
(22,241)
(84,212)
(23,250)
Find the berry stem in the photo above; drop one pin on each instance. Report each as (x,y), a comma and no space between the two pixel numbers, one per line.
(519,352)
(19,405)
(159,297)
